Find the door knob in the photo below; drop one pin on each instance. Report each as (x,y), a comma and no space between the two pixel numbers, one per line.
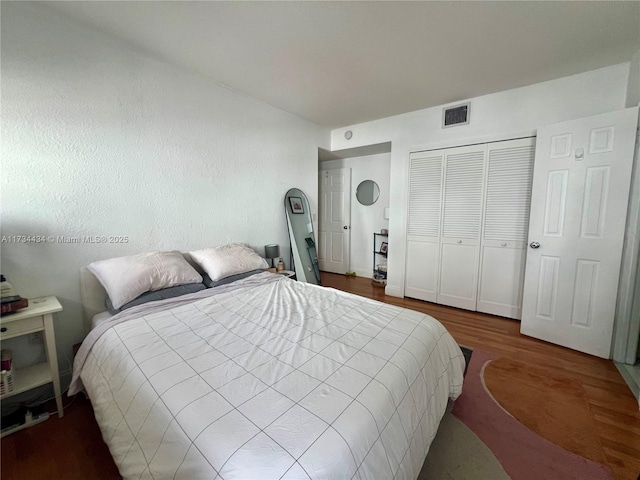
(534,245)
(345,227)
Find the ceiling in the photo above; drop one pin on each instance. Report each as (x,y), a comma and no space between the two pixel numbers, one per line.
(342,63)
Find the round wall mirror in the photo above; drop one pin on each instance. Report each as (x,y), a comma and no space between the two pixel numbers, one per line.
(367,192)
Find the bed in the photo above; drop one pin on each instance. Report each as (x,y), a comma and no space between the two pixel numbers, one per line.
(266,377)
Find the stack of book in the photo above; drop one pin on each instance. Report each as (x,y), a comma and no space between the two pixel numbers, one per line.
(12,304)
(9,300)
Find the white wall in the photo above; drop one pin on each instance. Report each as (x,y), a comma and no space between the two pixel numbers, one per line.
(626,337)
(633,83)
(493,117)
(365,219)
(99,139)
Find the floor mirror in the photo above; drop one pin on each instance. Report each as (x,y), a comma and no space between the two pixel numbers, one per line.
(304,254)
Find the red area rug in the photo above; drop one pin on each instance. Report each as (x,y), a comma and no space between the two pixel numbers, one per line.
(524,454)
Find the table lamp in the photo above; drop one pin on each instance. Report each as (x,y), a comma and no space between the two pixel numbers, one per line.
(271,251)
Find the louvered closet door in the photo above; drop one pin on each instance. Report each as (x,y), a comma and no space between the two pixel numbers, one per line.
(423,226)
(461,226)
(506,222)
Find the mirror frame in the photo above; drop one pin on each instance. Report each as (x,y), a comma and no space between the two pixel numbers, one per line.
(375,187)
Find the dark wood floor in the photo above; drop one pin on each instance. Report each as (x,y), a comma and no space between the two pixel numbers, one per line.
(72,447)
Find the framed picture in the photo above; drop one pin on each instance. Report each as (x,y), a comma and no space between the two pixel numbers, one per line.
(384,247)
(296,205)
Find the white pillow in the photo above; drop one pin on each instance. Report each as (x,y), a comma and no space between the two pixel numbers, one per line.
(126,278)
(220,262)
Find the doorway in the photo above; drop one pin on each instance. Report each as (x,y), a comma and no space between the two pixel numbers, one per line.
(365,163)
(334,222)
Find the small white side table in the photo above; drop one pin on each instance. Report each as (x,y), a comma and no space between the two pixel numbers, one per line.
(288,273)
(37,317)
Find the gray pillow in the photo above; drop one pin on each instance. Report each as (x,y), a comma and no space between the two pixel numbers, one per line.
(206,279)
(162,294)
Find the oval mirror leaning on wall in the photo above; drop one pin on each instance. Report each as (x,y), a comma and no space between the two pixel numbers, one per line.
(303,241)
(367,192)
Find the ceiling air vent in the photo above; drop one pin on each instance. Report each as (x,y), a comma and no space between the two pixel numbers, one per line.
(458,115)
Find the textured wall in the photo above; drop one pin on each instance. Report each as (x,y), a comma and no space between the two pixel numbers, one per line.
(101,140)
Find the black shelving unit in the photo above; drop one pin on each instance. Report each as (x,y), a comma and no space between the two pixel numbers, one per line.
(379,274)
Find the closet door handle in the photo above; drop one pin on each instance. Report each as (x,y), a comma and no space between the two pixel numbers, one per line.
(534,245)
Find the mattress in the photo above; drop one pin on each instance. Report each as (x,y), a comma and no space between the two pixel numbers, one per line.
(269,378)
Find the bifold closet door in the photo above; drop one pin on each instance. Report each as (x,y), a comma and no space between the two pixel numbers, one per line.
(423,225)
(461,226)
(506,223)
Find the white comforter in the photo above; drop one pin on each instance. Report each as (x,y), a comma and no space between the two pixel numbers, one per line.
(269,378)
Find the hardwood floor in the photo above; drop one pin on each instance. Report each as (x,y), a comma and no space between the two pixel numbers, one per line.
(72,447)
(67,448)
(613,408)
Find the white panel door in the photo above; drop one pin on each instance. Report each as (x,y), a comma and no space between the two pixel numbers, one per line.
(334,225)
(423,225)
(461,225)
(506,222)
(578,210)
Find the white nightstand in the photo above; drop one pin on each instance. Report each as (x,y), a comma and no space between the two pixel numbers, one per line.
(37,317)
(288,274)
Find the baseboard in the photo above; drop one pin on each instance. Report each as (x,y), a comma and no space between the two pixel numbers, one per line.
(631,375)
(363,273)
(393,291)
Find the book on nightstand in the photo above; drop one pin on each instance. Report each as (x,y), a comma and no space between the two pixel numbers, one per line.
(13,304)
(10,301)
